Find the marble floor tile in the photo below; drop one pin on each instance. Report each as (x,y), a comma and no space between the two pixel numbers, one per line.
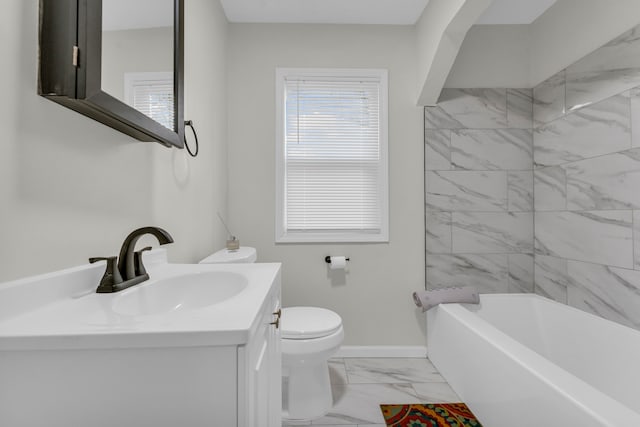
(360,403)
(308,423)
(436,393)
(391,371)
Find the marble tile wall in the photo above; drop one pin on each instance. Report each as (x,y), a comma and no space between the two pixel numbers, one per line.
(479,190)
(587,183)
(539,190)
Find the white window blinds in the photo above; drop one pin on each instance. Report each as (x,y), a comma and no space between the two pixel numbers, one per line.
(334,157)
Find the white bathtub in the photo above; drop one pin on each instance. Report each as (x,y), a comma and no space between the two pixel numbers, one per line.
(523,360)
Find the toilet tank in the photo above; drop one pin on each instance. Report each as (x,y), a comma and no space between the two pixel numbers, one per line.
(245,254)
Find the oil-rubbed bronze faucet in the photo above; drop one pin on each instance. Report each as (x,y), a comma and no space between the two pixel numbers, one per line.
(128,270)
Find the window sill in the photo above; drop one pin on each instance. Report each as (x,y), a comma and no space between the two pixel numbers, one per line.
(333,238)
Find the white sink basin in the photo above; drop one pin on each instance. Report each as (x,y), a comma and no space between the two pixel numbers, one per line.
(180,305)
(186,292)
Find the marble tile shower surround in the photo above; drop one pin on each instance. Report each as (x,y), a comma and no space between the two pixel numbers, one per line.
(539,190)
(607,71)
(479,190)
(598,129)
(586,151)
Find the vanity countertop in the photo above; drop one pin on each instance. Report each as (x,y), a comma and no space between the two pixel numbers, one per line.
(62,311)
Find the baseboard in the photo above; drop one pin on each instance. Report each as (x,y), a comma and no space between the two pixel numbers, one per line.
(347,351)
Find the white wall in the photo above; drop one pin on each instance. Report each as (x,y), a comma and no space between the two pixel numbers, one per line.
(493,56)
(525,55)
(375,297)
(71,188)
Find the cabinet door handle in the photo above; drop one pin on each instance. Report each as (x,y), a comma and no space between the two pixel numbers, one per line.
(278,313)
(277,323)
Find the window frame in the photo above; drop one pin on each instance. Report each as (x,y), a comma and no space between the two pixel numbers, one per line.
(282,235)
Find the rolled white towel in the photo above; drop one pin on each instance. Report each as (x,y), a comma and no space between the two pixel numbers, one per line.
(463,295)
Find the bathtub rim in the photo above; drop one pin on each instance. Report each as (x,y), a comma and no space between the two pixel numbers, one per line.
(577,391)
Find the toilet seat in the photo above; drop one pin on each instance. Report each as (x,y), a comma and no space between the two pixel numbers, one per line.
(303,323)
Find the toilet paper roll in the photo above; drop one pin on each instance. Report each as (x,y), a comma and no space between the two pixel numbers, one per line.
(338,262)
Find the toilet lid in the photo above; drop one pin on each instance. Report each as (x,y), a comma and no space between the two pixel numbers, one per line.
(308,322)
(245,254)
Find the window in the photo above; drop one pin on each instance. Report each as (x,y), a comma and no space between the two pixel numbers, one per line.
(331,167)
(152,95)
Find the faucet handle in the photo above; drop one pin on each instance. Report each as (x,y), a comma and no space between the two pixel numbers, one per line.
(111,275)
(137,259)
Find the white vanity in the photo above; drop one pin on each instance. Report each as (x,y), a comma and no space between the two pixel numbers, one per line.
(196,345)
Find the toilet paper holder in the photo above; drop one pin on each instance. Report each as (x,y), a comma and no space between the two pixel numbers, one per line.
(327,259)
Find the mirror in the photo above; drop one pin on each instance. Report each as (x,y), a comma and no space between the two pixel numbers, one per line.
(137,55)
(127,63)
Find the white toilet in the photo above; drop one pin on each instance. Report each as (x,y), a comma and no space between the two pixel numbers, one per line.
(310,336)
(243,255)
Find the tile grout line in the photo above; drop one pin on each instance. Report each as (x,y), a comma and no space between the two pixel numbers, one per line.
(633,238)
(534,286)
(424,194)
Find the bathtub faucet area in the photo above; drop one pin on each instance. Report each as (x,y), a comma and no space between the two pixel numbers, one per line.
(128,270)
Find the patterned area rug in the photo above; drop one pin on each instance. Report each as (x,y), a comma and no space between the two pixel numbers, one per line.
(429,415)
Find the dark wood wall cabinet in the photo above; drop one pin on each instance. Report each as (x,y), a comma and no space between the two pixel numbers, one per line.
(70,68)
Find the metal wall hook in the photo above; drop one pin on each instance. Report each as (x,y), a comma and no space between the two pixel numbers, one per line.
(189,123)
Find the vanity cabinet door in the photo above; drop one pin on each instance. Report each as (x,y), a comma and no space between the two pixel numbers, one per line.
(261,400)
(259,373)
(275,367)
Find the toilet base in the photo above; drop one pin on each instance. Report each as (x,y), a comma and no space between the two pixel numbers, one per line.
(308,392)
